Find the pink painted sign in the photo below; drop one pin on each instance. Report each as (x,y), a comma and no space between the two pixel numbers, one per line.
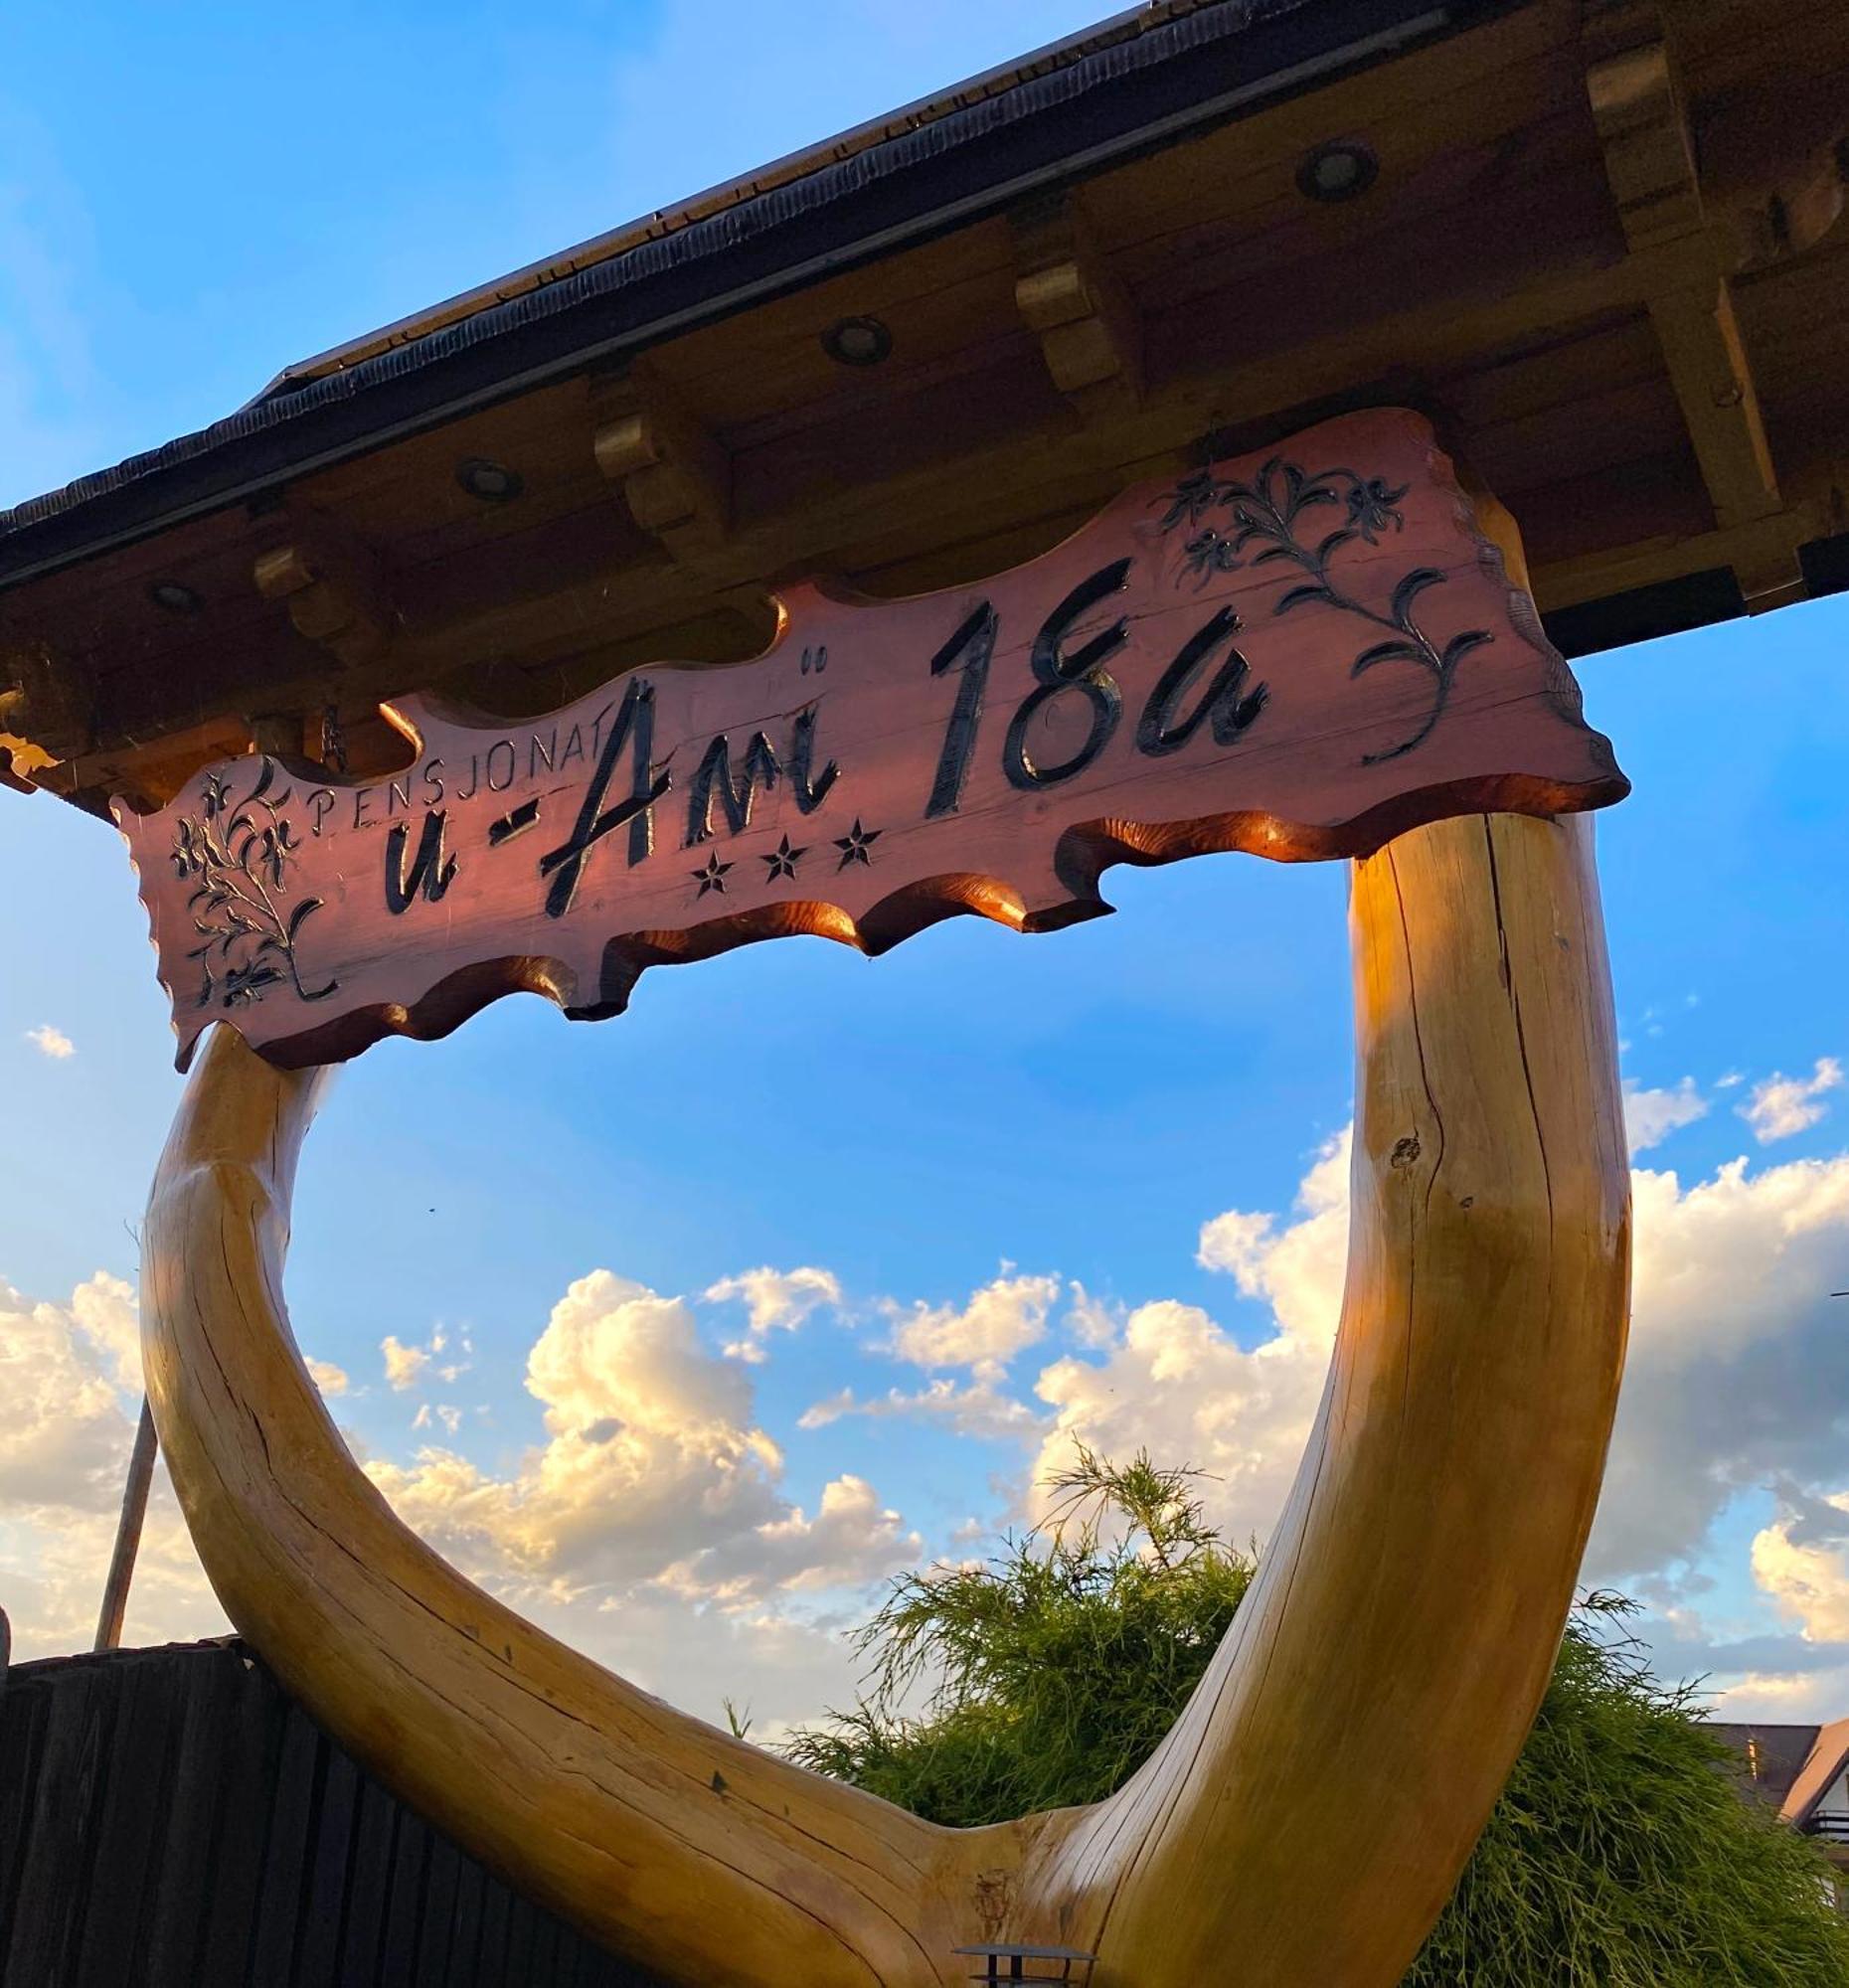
(1301,654)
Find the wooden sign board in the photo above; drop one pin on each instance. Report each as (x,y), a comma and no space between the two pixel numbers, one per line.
(1301,654)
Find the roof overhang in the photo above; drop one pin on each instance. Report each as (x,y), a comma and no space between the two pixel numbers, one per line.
(1599,243)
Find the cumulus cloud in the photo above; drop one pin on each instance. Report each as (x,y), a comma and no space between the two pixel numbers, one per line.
(408,1366)
(69,1382)
(1000,1320)
(403,1364)
(775,1300)
(51,1042)
(651,1528)
(106,1312)
(1170,1378)
(64,1430)
(1739,1372)
(1651,1115)
(331,1380)
(653,1471)
(1783,1106)
(978,1409)
(852,1538)
(1801,1562)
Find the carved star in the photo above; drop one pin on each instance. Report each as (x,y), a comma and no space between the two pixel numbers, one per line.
(855,844)
(782,860)
(710,876)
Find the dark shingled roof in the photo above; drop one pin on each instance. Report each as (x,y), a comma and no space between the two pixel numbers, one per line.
(1794,1767)
(1771,1756)
(1140,81)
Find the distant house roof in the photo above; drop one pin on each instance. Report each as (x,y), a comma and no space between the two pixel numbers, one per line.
(1140,80)
(1790,1767)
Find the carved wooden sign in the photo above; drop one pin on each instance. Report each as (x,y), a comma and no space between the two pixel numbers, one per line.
(1301,654)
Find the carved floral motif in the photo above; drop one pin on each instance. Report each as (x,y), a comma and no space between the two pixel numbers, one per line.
(238,853)
(1268,510)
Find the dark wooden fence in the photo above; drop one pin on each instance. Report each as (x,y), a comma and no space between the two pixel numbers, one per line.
(169,1819)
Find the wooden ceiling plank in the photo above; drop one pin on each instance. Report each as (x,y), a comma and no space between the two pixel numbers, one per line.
(1467,89)
(1650,163)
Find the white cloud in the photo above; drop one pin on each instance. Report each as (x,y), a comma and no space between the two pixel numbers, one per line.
(1801,1562)
(1173,1380)
(649,1529)
(403,1364)
(409,1366)
(1005,1316)
(63,1428)
(1739,1368)
(652,1472)
(979,1409)
(852,1538)
(106,1313)
(331,1380)
(775,1300)
(1783,1106)
(1651,1115)
(69,1387)
(51,1042)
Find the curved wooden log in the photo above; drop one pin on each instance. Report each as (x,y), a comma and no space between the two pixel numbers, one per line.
(1312,1809)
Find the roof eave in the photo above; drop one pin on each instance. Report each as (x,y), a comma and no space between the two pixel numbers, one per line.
(1128,97)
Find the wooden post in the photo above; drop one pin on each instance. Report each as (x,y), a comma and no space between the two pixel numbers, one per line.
(1313,1807)
(127,1532)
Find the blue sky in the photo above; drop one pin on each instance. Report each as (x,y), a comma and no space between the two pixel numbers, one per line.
(1000,1163)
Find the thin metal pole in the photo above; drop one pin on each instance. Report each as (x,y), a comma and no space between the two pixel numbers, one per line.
(127,1532)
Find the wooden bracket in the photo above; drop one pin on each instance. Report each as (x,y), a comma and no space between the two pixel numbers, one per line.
(1069,294)
(42,717)
(1776,163)
(333,588)
(284,734)
(1651,164)
(676,478)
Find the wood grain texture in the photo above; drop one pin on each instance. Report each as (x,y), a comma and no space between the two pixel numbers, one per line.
(1300,653)
(1312,1809)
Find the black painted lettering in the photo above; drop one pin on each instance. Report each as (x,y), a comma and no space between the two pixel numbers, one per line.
(1225,701)
(432,870)
(713,780)
(635,726)
(1082,671)
(810,790)
(973,647)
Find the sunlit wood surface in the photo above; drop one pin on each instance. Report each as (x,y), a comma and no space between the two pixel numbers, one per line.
(1313,1807)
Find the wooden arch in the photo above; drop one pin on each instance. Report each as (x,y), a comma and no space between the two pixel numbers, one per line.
(1311,1810)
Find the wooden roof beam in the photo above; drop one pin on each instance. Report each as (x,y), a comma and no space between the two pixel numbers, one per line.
(1651,164)
(531,614)
(45,718)
(675,477)
(1067,293)
(333,588)
(1765,544)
